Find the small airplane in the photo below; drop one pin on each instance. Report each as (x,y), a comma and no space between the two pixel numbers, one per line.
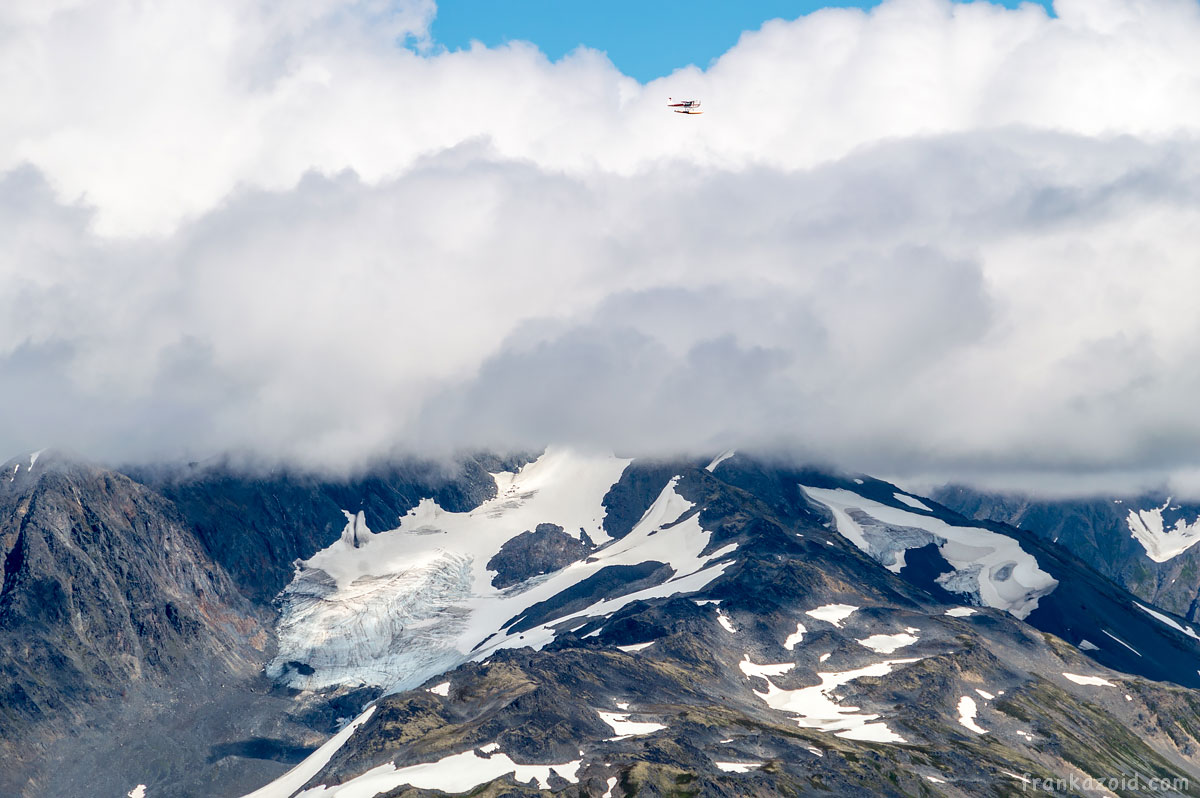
(684,106)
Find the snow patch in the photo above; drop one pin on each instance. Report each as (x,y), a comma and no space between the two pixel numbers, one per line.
(1122,642)
(1161,544)
(833,613)
(636,647)
(727,624)
(795,637)
(721,458)
(888,644)
(750,669)
(872,733)
(814,708)
(984,694)
(966,714)
(961,612)
(138,791)
(1093,681)
(738,767)
(442,689)
(915,503)
(454,774)
(1158,616)
(623,727)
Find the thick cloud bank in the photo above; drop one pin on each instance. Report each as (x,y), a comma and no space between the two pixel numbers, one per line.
(929,239)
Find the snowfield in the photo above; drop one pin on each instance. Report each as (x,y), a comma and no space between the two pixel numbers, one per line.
(750,669)
(990,567)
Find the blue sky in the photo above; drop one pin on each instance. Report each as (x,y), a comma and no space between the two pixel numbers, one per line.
(644,38)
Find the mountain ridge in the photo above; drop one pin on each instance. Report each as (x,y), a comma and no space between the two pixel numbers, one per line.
(735,626)
(691,637)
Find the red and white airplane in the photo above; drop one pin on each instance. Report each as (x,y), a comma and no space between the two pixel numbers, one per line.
(684,106)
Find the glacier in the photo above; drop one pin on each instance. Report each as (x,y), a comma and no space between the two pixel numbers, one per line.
(393,609)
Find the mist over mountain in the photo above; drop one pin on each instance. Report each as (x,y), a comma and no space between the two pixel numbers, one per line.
(928,240)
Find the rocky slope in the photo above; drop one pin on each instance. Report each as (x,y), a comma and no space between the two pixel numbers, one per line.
(104,591)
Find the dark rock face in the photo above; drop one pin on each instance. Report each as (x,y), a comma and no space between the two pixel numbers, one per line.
(634,492)
(104,590)
(923,566)
(608,582)
(532,553)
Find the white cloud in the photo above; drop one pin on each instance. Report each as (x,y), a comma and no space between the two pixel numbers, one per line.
(933,238)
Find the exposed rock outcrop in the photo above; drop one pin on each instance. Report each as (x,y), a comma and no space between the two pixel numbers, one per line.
(104,589)
(539,551)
